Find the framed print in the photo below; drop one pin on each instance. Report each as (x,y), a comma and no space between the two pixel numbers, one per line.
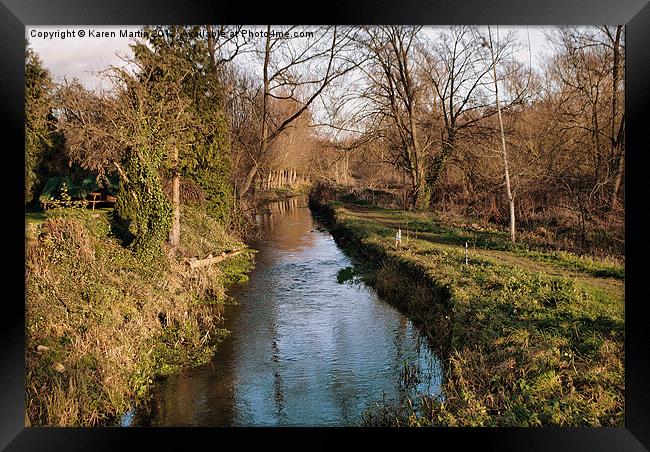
(424,215)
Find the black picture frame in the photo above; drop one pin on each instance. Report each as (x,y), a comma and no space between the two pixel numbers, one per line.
(16,14)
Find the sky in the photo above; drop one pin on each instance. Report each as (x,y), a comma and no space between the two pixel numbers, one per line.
(78,57)
(66,54)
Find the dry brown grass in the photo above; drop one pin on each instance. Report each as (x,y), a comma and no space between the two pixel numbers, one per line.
(112,322)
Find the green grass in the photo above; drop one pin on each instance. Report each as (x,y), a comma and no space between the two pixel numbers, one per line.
(599,268)
(529,338)
(34,218)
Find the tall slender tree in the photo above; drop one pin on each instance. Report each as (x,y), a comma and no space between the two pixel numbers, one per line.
(393,92)
(504,153)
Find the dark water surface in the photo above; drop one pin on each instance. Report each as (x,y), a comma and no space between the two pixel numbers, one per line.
(304,349)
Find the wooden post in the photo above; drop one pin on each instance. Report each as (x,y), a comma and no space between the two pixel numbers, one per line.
(465,252)
(175,237)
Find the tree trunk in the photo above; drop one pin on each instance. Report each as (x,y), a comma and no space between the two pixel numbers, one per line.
(617,138)
(619,163)
(175,235)
(617,181)
(422,199)
(248,181)
(263,144)
(511,199)
(441,158)
(403,188)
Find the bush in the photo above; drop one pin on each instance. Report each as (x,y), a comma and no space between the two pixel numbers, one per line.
(323,191)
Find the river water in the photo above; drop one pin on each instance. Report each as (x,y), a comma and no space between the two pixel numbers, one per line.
(305,349)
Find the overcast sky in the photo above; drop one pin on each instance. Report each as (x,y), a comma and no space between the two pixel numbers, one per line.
(81,57)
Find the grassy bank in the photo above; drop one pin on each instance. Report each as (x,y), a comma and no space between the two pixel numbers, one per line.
(529,337)
(101,325)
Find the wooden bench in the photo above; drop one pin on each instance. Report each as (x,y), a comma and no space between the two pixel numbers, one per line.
(97,197)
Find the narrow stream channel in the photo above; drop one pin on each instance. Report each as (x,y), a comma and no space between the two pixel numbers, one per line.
(304,349)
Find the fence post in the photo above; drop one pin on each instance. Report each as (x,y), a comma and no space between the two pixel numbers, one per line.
(465,252)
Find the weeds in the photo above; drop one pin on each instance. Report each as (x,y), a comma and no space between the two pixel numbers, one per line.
(409,375)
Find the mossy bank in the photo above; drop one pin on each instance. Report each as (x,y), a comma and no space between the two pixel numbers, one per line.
(101,325)
(528,338)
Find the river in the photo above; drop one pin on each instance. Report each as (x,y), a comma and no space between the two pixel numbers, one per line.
(304,349)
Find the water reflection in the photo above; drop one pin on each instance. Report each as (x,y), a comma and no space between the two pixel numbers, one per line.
(304,349)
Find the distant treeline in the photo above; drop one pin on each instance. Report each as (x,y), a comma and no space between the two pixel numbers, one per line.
(450,118)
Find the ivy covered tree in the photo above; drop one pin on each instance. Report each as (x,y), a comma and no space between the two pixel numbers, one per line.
(187,57)
(163,121)
(131,131)
(158,122)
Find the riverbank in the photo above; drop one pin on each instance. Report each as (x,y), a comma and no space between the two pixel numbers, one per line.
(529,338)
(101,326)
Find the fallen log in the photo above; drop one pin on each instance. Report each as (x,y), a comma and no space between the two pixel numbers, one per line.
(213,260)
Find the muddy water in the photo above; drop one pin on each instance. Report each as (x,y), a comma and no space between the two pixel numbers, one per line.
(304,349)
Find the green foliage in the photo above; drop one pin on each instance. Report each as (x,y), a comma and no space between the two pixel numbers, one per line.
(600,268)
(39,122)
(112,319)
(202,234)
(235,270)
(162,126)
(209,166)
(142,208)
(204,157)
(345,274)
(169,358)
(63,199)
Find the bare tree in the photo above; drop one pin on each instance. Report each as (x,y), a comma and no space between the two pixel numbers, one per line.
(454,66)
(588,64)
(298,69)
(616,40)
(94,136)
(225,43)
(509,193)
(393,96)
